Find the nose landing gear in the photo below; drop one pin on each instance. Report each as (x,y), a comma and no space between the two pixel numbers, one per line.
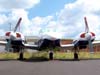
(51,55)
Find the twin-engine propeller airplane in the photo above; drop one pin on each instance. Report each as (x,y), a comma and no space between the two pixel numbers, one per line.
(86,39)
(16,42)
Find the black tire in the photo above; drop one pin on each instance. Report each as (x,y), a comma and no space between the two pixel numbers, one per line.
(51,55)
(76,56)
(21,56)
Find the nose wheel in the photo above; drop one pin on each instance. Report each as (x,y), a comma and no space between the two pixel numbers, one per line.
(51,55)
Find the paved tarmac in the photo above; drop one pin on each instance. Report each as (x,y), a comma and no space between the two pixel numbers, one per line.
(54,67)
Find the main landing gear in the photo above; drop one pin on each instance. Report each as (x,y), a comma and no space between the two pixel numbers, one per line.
(21,55)
(76,54)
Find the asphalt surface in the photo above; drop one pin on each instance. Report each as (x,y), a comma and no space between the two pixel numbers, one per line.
(54,67)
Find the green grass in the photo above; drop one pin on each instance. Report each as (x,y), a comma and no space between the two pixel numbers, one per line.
(8,55)
(87,55)
(57,55)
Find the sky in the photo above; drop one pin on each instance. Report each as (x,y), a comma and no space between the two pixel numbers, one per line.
(57,18)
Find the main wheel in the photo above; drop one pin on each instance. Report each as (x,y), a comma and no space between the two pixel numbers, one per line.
(21,56)
(76,56)
(51,55)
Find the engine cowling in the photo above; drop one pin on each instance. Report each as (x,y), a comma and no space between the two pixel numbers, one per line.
(89,35)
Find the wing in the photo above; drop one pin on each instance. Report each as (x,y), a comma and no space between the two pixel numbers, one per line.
(67,46)
(31,46)
(96,43)
(28,46)
(3,42)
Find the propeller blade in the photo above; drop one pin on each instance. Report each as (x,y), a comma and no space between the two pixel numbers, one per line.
(18,23)
(8,45)
(86,25)
(91,46)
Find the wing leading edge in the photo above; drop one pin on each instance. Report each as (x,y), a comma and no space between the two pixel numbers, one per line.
(96,43)
(67,46)
(3,42)
(25,45)
(31,46)
(72,45)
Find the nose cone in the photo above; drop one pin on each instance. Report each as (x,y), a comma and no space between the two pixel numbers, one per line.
(88,36)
